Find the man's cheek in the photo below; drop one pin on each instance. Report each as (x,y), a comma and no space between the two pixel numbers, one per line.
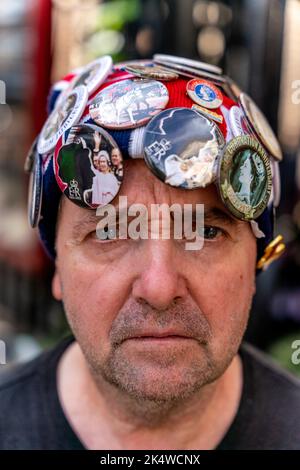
(227,305)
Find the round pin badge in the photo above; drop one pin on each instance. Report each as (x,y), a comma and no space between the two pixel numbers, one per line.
(191,72)
(188,62)
(204,93)
(29,161)
(35,189)
(88,166)
(94,74)
(154,72)
(91,76)
(129,104)
(245,178)
(261,126)
(185,158)
(64,116)
(238,122)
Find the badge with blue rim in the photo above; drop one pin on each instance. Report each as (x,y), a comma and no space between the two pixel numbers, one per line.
(204,93)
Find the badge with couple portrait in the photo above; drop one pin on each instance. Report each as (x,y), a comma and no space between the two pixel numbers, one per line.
(88,166)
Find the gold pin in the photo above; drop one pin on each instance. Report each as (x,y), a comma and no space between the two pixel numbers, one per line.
(272,252)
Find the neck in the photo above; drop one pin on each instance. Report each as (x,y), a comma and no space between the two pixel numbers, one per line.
(106,419)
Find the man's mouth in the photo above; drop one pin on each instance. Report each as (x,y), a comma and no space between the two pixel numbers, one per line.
(160,337)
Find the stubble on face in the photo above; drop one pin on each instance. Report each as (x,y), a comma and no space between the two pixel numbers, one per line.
(152,384)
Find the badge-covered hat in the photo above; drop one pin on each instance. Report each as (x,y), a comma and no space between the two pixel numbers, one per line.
(192,125)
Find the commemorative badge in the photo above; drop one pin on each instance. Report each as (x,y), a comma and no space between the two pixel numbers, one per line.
(185,158)
(245,178)
(191,72)
(129,104)
(92,76)
(238,122)
(154,72)
(209,113)
(88,166)
(196,64)
(261,126)
(64,116)
(204,93)
(29,161)
(35,188)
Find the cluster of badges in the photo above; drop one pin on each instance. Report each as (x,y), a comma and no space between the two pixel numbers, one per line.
(185,159)
(183,147)
(88,166)
(245,177)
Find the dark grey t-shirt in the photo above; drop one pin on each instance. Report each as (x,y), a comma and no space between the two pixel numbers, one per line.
(31,416)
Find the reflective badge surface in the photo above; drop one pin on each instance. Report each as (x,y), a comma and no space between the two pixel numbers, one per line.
(204,93)
(188,62)
(155,72)
(94,74)
(245,177)
(238,122)
(261,126)
(88,166)
(181,148)
(35,189)
(129,103)
(64,116)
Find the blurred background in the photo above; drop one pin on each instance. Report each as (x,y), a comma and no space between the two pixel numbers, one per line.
(257,42)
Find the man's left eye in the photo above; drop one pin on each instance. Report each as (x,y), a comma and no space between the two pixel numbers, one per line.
(210,232)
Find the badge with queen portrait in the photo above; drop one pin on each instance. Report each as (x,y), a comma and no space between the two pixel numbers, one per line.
(245,178)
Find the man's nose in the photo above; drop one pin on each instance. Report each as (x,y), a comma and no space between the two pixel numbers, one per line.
(160,281)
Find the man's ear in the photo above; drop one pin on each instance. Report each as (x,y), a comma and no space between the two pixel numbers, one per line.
(56,286)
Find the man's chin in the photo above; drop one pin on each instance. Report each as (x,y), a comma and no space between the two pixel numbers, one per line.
(158,379)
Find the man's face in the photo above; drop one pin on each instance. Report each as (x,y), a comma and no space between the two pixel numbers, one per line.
(121,296)
(115,157)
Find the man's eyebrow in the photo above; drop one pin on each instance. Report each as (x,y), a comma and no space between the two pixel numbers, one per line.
(216,213)
(84,223)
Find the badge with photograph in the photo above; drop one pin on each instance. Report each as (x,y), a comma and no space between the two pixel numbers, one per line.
(261,126)
(155,72)
(88,166)
(64,116)
(204,93)
(245,178)
(35,188)
(129,104)
(185,158)
(238,122)
(188,62)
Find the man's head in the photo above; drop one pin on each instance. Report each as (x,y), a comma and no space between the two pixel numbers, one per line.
(117,292)
(155,320)
(116,157)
